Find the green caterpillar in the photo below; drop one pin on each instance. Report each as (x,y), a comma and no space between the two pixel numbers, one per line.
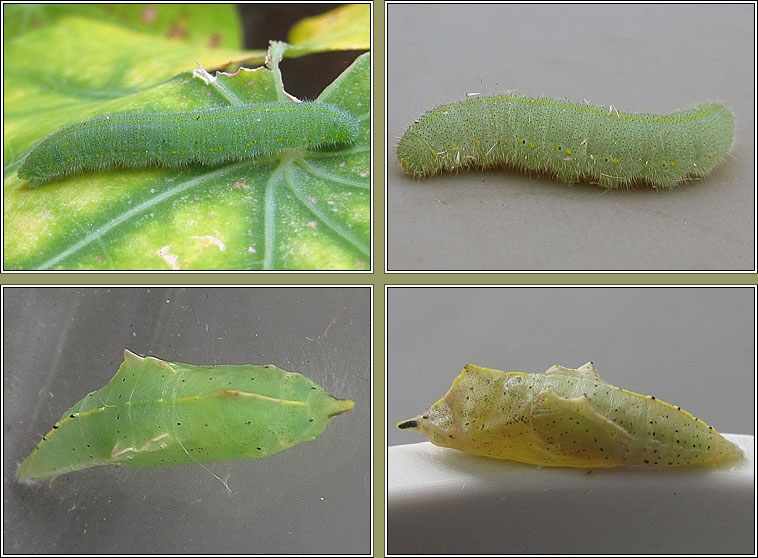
(568,418)
(207,137)
(160,414)
(574,142)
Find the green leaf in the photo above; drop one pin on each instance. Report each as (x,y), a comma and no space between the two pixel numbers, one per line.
(295,210)
(345,28)
(212,25)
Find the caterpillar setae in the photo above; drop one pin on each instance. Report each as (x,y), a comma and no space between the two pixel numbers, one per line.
(568,418)
(574,142)
(160,414)
(208,137)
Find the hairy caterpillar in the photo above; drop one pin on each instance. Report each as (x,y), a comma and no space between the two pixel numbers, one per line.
(572,141)
(208,137)
(160,414)
(568,418)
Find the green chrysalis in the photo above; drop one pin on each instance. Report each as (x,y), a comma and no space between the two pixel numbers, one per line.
(568,418)
(574,142)
(160,414)
(208,137)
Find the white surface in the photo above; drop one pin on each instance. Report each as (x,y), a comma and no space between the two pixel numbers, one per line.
(444,501)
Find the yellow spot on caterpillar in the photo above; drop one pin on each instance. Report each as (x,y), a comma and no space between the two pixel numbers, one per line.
(476,143)
(673,163)
(280,139)
(454,146)
(615,160)
(569,151)
(532,145)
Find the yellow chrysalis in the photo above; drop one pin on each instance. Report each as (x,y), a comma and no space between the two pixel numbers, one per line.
(568,418)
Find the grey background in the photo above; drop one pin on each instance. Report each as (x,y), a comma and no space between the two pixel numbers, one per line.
(640,58)
(61,343)
(692,347)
